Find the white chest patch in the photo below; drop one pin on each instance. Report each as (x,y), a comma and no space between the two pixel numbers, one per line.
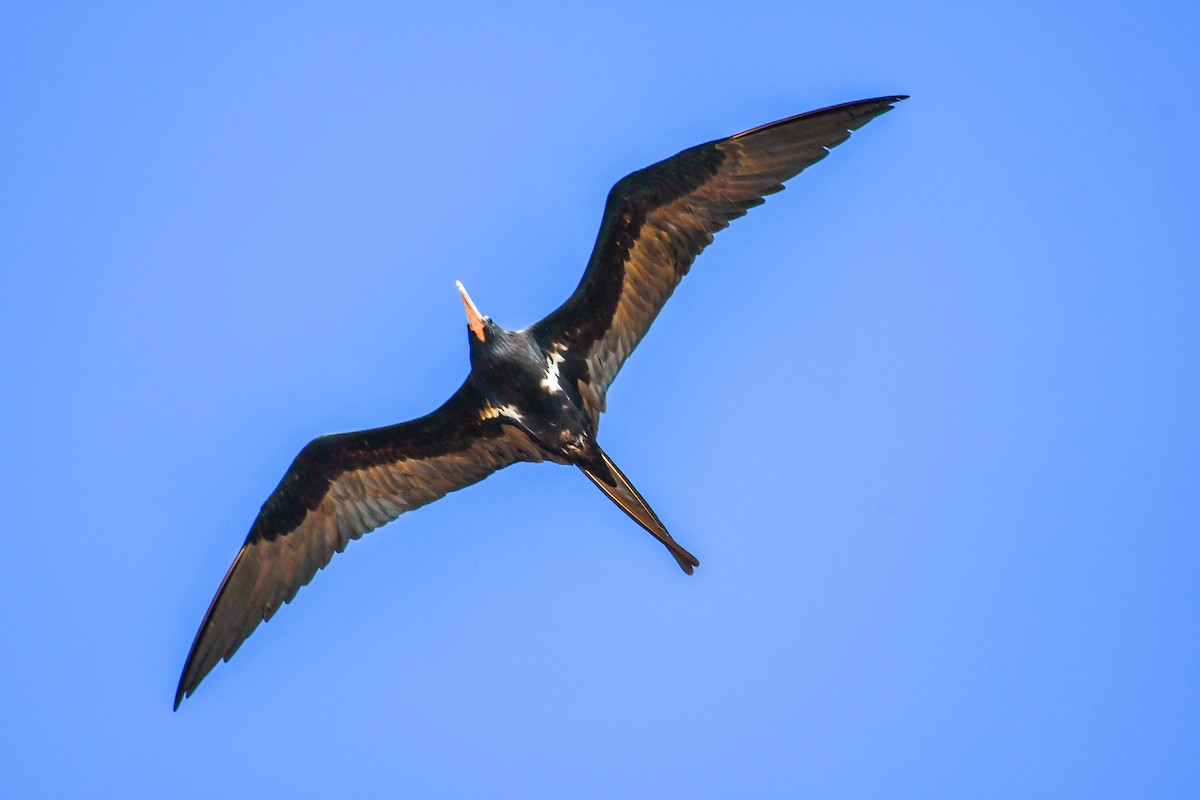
(550,382)
(491,412)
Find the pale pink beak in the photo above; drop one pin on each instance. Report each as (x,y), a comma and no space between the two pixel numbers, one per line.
(474,318)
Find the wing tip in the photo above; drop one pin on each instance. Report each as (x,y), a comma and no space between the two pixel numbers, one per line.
(187,681)
(856,109)
(884,100)
(889,102)
(872,107)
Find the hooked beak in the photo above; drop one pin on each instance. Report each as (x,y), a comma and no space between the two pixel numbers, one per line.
(474,318)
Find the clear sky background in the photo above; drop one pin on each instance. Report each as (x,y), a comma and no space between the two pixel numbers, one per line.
(929,418)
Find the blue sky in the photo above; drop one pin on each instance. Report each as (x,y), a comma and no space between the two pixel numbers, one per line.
(928,418)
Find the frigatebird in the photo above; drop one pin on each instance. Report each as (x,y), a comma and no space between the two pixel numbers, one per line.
(531,395)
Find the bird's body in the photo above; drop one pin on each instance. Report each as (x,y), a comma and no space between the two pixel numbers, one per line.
(532,395)
(522,380)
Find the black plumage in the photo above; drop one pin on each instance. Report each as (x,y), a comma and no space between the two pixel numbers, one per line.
(532,395)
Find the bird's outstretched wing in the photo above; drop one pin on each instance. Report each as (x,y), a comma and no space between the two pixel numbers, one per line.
(658,219)
(338,488)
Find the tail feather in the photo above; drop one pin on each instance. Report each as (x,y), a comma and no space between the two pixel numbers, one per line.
(621,491)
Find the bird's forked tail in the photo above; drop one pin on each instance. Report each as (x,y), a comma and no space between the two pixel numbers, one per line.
(618,488)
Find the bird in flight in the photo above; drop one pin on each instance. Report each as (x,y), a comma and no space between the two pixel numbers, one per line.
(532,395)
